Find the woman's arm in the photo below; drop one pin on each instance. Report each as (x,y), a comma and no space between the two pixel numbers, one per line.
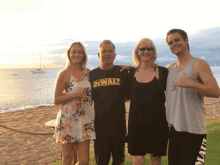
(59,96)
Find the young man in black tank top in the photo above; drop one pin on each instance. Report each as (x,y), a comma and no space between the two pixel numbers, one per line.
(189,80)
(108,86)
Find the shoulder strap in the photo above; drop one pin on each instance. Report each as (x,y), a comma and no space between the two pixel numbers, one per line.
(86,73)
(69,75)
(156,66)
(134,74)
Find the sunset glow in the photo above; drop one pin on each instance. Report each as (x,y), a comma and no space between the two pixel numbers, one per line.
(30,27)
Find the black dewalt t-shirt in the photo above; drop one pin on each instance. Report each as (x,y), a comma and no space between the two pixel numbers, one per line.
(108,92)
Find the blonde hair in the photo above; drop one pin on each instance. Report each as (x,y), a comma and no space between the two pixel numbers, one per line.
(136,58)
(84,61)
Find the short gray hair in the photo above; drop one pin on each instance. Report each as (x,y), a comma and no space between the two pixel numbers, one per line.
(107,42)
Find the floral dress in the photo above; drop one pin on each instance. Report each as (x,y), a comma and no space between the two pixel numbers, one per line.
(75,119)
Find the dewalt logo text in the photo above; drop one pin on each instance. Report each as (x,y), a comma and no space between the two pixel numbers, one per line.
(106,82)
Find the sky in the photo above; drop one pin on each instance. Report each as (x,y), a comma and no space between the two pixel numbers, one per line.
(30,27)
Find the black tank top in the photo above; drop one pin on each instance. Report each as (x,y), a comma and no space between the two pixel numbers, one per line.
(147,109)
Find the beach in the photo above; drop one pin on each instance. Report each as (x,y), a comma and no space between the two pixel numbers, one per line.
(18,148)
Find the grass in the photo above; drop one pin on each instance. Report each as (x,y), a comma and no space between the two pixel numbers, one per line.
(213,143)
(213,148)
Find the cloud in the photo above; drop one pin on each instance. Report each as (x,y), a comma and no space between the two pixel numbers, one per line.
(121,57)
(92,56)
(166,58)
(202,57)
(23,5)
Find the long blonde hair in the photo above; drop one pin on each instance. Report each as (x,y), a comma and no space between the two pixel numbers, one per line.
(84,61)
(136,58)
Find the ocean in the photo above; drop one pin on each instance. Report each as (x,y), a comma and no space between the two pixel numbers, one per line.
(20,89)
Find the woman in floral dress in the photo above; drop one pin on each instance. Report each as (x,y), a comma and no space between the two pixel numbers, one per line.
(75,126)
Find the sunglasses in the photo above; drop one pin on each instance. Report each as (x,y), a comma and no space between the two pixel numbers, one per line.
(144,48)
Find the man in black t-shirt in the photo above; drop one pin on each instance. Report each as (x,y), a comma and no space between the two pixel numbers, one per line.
(108,93)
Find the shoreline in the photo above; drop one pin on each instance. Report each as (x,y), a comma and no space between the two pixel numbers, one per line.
(17,148)
(29,107)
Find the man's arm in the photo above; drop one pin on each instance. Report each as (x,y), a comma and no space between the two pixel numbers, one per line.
(210,86)
(202,71)
(126,77)
(125,67)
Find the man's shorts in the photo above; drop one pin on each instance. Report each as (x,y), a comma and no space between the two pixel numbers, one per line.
(186,148)
(107,145)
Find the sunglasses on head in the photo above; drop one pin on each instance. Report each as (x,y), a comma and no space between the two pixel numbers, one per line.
(144,48)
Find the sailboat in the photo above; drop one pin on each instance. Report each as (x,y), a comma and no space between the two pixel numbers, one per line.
(39,70)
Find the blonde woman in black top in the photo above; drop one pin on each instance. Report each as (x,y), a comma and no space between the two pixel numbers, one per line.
(147,126)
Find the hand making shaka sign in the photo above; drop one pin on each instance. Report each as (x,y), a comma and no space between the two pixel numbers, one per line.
(183,82)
